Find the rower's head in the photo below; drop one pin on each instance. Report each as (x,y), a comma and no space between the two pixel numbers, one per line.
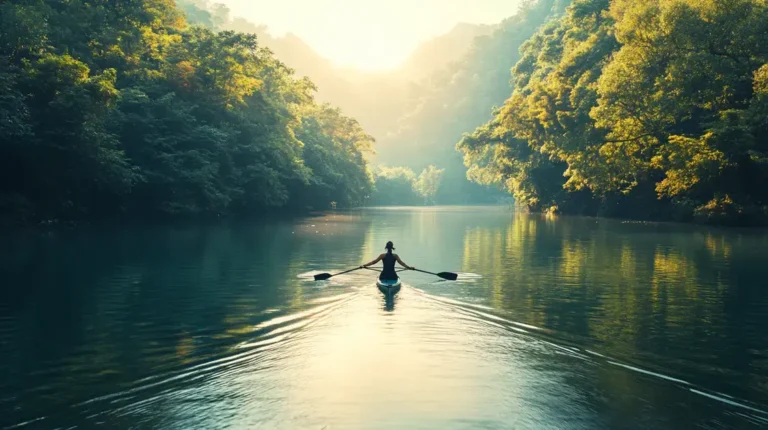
(390,246)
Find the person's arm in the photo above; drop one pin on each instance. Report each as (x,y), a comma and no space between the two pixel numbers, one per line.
(397,257)
(373,262)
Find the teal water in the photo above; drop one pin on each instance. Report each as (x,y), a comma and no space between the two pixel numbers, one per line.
(554,323)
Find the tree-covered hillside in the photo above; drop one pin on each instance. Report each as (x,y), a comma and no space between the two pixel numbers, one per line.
(651,109)
(122,107)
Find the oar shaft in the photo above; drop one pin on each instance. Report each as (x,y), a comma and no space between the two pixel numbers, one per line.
(449,276)
(325,276)
(347,271)
(424,271)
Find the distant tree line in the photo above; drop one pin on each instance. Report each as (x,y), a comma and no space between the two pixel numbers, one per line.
(400,186)
(122,107)
(655,109)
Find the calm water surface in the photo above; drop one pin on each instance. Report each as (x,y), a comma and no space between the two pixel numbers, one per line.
(554,323)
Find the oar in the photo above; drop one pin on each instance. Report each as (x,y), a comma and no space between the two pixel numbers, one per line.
(324,276)
(445,275)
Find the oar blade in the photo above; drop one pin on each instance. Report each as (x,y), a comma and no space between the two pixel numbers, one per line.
(322,276)
(448,276)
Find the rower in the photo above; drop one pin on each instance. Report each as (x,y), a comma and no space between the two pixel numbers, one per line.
(388,259)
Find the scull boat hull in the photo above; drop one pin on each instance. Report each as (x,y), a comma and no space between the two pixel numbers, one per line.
(387,287)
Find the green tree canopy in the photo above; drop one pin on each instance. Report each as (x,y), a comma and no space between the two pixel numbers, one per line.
(648,109)
(122,107)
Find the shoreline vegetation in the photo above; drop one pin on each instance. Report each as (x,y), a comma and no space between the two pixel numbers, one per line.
(647,110)
(139,114)
(650,112)
(9,224)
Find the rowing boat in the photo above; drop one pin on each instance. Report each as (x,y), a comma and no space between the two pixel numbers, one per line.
(388,287)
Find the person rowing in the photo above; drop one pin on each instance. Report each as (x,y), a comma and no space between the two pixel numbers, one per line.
(388,276)
(388,259)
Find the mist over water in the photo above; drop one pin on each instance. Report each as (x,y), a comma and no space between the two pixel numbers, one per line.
(553,323)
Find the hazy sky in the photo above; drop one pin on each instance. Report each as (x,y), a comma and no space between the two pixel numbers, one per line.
(368,34)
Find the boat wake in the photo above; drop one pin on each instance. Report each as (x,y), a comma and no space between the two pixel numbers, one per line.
(445,357)
(551,339)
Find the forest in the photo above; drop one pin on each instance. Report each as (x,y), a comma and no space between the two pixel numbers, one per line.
(123,108)
(645,110)
(156,108)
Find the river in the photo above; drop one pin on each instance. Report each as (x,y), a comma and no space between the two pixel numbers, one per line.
(554,322)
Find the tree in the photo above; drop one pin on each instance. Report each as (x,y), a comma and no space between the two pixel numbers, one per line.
(333,150)
(395,186)
(428,183)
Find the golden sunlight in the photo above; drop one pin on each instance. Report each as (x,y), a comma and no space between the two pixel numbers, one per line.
(366,34)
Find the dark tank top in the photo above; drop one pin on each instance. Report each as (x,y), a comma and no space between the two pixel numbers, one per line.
(389,267)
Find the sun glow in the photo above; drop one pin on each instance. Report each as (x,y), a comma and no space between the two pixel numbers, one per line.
(367,34)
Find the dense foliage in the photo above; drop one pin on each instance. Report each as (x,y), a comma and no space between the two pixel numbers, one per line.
(122,107)
(646,109)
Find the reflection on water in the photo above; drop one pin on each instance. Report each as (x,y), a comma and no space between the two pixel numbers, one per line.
(553,323)
(389,302)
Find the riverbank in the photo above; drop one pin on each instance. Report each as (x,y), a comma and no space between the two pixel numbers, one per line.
(723,212)
(729,217)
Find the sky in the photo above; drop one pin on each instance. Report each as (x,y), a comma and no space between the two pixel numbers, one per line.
(372,35)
